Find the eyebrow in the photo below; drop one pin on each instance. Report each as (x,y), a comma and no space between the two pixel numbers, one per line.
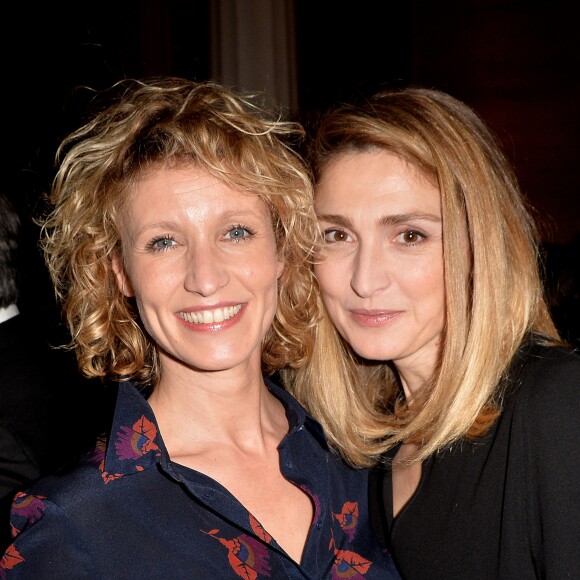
(387,220)
(228,214)
(163,225)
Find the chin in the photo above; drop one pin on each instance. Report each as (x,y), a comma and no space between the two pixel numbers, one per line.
(374,348)
(377,354)
(382,352)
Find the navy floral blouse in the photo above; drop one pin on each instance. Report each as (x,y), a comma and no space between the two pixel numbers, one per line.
(128,511)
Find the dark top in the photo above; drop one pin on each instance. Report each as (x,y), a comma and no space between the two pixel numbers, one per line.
(508,506)
(39,386)
(128,511)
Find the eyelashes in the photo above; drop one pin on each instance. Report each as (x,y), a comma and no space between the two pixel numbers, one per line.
(161,243)
(336,236)
(412,237)
(409,237)
(239,233)
(236,233)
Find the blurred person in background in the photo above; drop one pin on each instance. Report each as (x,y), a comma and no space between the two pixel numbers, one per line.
(45,414)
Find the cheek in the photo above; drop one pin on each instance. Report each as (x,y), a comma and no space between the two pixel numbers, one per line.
(151,292)
(260,277)
(326,276)
(261,268)
(143,311)
(426,283)
(335,289)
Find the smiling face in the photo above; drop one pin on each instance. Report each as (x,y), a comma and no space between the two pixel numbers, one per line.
(381,274)
(200,259)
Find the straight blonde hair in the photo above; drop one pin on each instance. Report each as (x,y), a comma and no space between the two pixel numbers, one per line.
(359,402)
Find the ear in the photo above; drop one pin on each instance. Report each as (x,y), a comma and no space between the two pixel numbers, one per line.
(123,281)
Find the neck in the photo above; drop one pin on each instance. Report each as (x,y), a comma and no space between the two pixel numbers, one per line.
(216,407)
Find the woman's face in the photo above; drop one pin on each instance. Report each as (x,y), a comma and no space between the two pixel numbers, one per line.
(381,268)
(200,259)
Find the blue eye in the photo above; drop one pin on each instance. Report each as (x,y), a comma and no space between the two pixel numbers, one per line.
(238,233)
(163,243)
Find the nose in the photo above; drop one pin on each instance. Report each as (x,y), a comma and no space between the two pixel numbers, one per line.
(206,270)
(370,272)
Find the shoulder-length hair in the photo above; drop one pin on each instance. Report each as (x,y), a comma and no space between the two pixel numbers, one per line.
(492,300)
(160,121)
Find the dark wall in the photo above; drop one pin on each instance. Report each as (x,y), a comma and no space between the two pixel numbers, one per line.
(516,62)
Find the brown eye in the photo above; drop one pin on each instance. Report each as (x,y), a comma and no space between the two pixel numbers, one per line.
(336,236)
(412,237)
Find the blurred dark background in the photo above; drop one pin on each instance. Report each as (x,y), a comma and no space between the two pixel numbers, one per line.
(516,62)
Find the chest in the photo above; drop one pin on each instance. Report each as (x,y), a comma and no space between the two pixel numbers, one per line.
(465,513)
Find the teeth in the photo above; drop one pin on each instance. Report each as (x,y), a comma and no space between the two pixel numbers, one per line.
(211,316)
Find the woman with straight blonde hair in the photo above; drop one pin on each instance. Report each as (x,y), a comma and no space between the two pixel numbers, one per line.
(437,361)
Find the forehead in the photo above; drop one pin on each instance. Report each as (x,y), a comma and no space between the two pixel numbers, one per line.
(184,199)
(174,186)
(371,177)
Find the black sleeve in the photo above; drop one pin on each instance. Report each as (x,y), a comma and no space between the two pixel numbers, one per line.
(553,433)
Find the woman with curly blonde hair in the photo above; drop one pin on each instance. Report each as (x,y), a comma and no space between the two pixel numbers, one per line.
(179,244)
(437,361)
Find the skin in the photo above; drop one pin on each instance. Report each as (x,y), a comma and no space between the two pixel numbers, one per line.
(381,272)
(201,261)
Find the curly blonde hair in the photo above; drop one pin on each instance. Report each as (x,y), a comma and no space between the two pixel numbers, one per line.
(359,402)
(160,120)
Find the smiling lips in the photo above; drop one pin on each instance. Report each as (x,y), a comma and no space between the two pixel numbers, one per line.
(213,316)
(374,317)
